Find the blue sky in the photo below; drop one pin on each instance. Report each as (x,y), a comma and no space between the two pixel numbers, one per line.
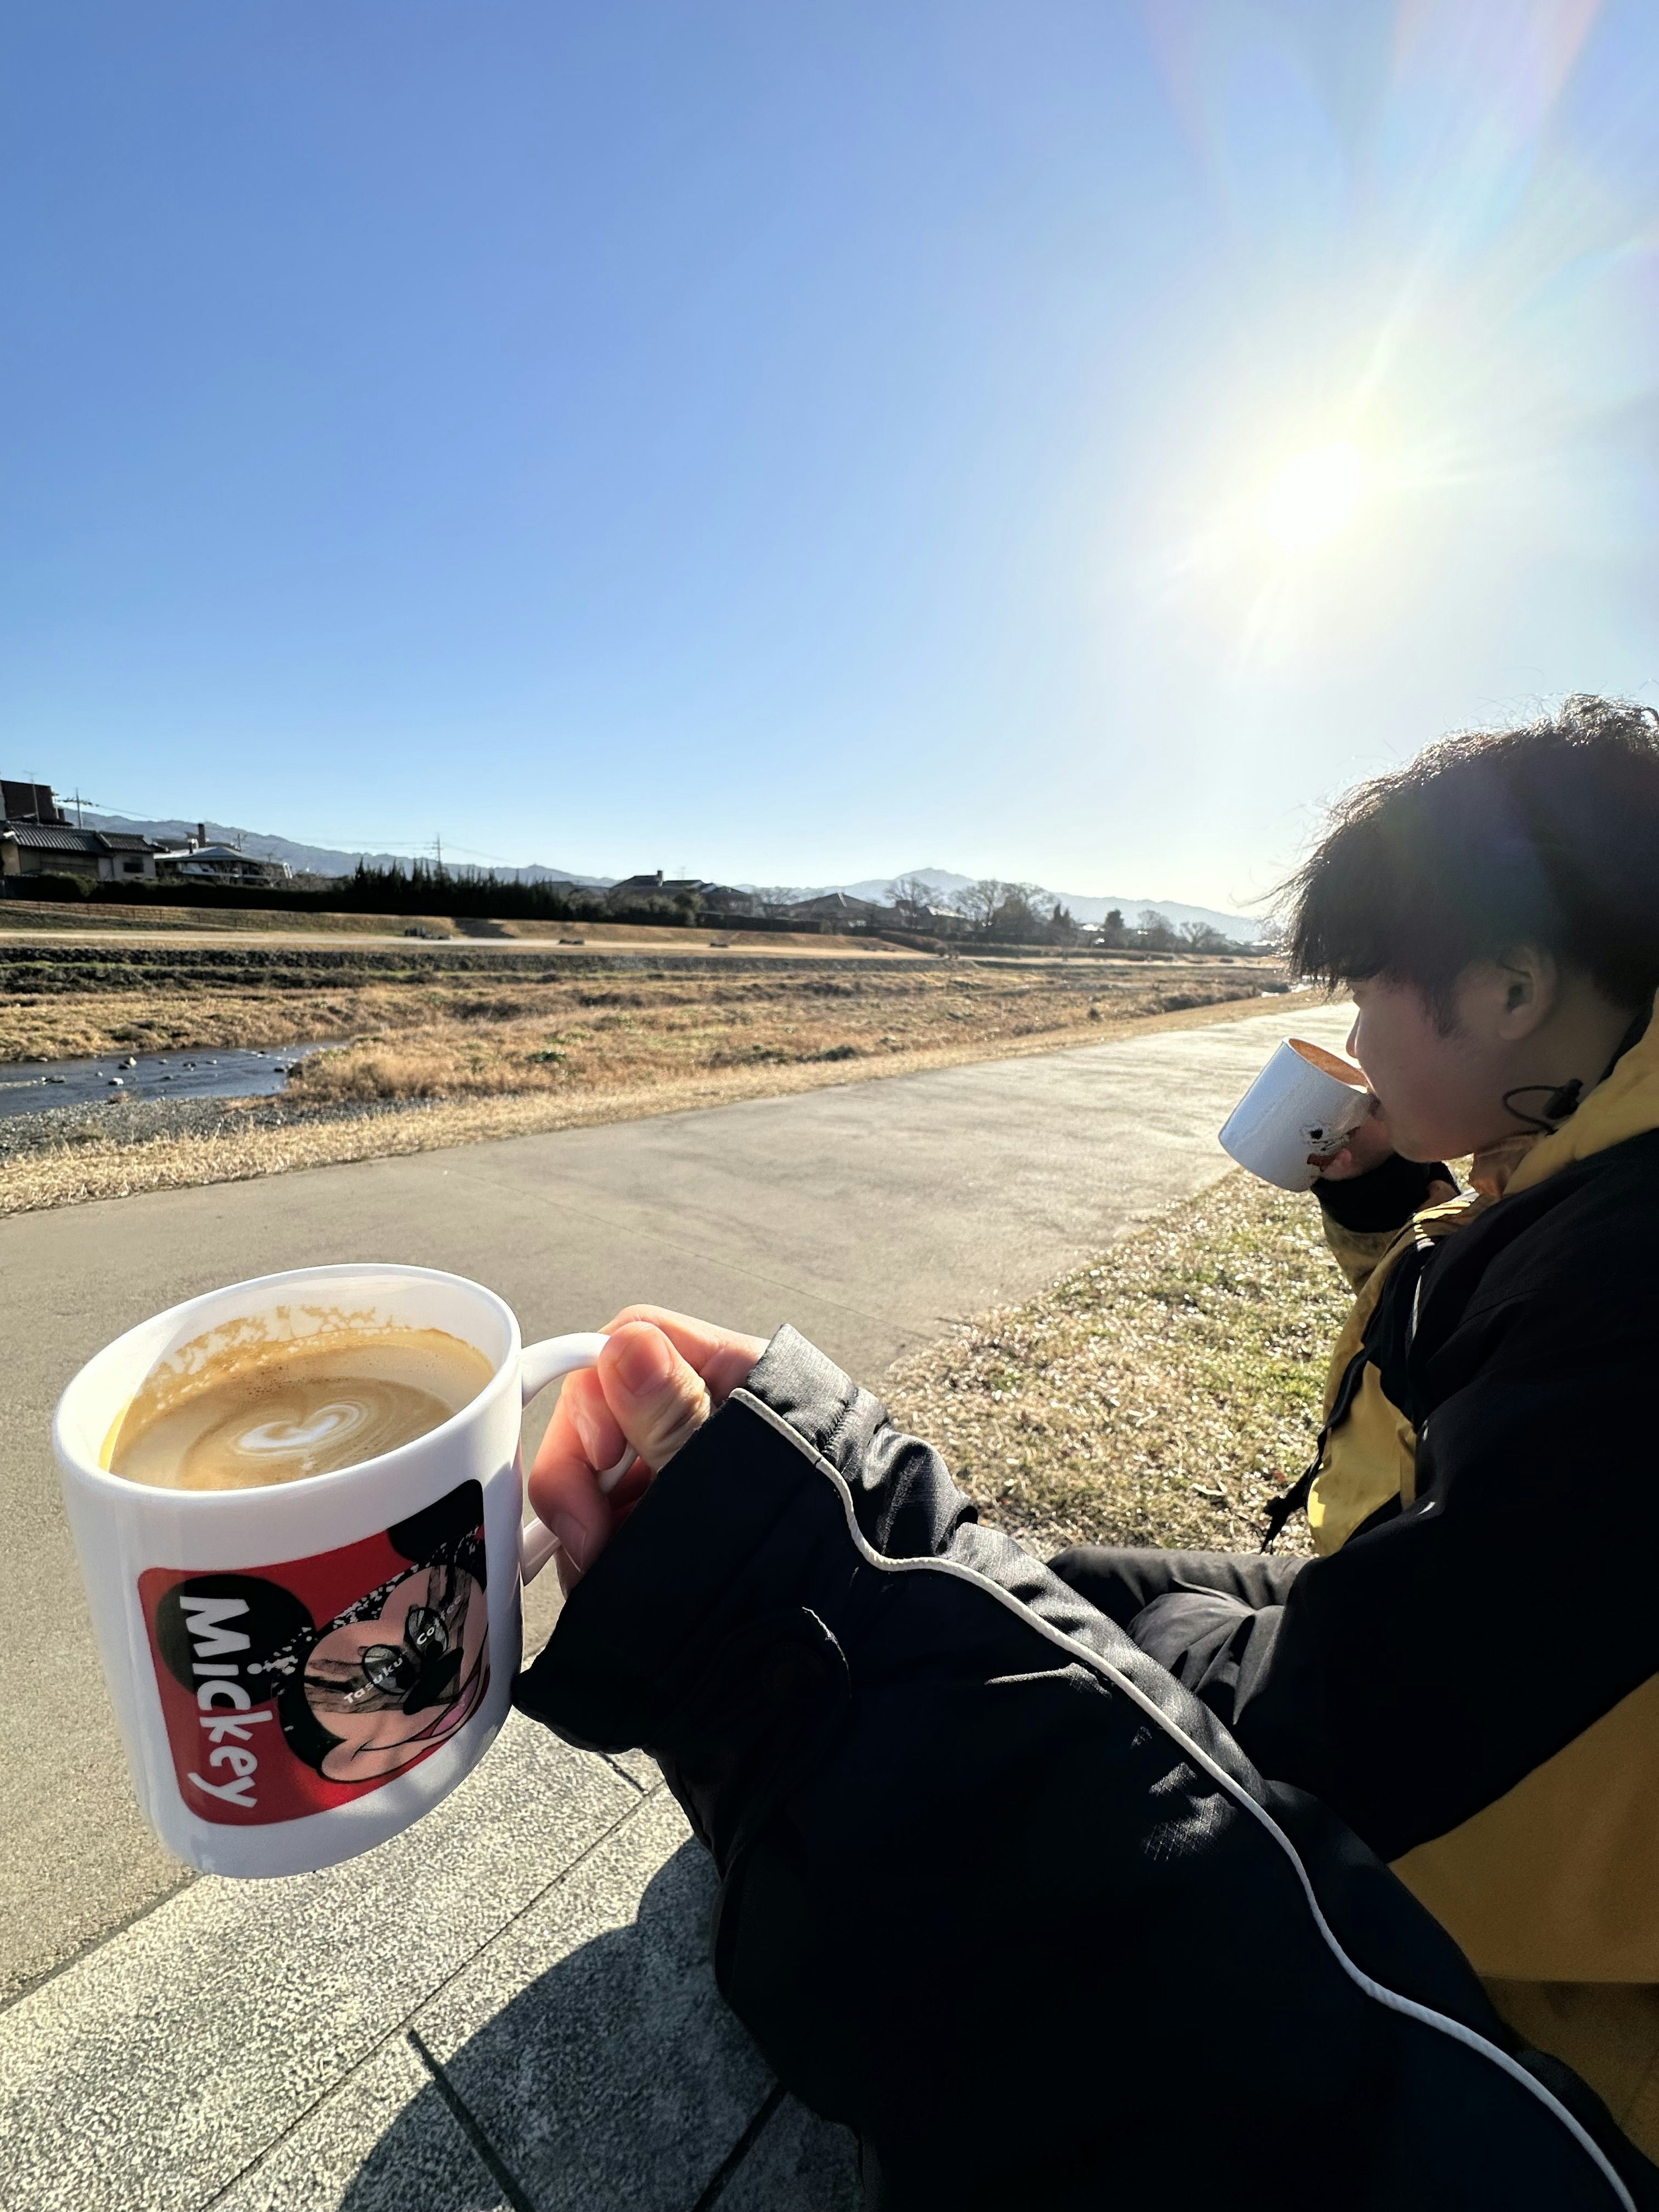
(1065,441)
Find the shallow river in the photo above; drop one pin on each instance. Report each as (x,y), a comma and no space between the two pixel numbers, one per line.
(29,1087)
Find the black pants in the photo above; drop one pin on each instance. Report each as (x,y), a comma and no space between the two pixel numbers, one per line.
(1121,1582)
(1210,1616)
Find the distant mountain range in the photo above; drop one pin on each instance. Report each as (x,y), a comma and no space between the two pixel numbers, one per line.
(310,859)
(325,861)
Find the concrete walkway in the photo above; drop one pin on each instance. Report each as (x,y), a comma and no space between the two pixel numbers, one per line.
(509,2005)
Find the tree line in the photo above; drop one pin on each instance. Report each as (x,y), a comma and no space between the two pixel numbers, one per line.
(425,887)
(1025,914)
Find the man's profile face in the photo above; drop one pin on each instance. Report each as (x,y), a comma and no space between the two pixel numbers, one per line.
(1436,1088)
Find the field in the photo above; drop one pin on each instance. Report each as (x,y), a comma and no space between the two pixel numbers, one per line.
(610,1031)
(437,1048)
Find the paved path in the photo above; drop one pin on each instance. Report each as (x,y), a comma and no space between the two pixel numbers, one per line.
(419,2027)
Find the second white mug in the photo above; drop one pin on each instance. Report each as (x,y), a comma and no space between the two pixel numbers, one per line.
(1303,1103)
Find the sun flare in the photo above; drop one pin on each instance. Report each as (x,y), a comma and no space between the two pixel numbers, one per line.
(1315,497)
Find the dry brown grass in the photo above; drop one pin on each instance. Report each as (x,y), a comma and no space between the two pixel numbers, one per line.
(86,1025)
(62,918)
(609,1033)
(42,919)
(436,1035)
(1158,1396)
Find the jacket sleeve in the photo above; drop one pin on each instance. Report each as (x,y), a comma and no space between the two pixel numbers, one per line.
(1363,1214)
(991,1879)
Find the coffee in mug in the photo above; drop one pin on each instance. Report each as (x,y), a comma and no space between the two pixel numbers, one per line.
(268,1409)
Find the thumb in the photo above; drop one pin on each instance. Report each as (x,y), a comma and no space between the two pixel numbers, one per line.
(659,1399)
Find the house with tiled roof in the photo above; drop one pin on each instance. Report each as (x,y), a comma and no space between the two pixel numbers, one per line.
(37,838)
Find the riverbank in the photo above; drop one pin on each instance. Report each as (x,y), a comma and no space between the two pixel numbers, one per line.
(68,1157)
(547,1022)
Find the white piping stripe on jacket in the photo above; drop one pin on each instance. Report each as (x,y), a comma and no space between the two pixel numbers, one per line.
(1201,1758)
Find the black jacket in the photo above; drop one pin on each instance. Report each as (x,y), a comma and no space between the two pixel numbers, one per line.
(1456,1643)
(1002,1896)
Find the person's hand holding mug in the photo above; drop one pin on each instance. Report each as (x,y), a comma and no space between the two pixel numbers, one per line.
(1367,1147)
(1361,1149)
(655,1384)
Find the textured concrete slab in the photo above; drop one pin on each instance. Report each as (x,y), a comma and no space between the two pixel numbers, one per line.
(157,2070)
(588,2041)
(796,2163)
(870,1216)
(638,1766)
(314,2046)
(385,2141)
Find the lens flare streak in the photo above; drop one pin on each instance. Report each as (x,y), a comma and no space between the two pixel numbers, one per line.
(1440,341)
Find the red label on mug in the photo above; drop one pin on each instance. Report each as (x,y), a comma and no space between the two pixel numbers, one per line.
(289,1690)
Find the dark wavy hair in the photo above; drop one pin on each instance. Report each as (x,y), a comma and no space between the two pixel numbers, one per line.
(1547,835)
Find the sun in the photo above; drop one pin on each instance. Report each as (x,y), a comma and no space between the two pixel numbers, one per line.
(1315,497)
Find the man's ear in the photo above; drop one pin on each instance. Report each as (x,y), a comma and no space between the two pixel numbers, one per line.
(1520,990)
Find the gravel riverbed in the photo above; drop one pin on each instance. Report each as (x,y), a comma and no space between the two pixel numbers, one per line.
(144,1121)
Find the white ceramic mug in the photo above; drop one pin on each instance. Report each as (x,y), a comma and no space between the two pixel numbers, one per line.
(1303,1104)
(263,1647)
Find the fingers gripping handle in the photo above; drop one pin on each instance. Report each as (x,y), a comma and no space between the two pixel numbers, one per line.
(544,1362)
(540,1364)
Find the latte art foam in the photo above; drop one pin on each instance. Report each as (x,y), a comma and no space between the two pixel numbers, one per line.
(279,1436)
(277,1413)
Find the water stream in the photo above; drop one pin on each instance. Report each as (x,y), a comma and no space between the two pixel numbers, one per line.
(31,1086)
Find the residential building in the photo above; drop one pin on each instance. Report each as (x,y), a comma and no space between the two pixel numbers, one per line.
(197,861)
(658,889)
(834,910)
(723,899)
(37,838)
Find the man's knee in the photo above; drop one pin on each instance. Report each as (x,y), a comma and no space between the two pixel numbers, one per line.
(1112,1578)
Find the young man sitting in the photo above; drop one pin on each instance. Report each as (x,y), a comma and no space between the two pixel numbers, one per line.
(1053,1882)
(1469,1673)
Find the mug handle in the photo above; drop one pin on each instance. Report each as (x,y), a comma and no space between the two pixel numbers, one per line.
(540,1364)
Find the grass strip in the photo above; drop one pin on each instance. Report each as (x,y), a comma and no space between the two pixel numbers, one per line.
(1161,1394)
